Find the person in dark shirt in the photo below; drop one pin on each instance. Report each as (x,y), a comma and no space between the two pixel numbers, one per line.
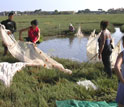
(10,25)
(105,49)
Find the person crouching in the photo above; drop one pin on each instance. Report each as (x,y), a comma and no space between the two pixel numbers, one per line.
(33,32)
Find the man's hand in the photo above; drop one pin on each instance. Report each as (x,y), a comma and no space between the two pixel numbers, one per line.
(36,41)
(34,44)
(9,32)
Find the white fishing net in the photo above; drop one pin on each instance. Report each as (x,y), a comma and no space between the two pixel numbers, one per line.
(79,32)
(7,71)
(28,52)
(92,47)
(115,53)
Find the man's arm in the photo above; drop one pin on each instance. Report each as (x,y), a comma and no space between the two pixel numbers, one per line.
(3,23)
(20,32)
(110,38)
(103,38)
(118,67)
(38,36)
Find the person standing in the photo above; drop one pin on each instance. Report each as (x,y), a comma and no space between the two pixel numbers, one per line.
(119,68)
(33,32)
(9,25)
(105,48)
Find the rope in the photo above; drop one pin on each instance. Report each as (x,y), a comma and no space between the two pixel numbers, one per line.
(92,57)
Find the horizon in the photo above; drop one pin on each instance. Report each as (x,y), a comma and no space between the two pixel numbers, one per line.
(61,10)
(64,5)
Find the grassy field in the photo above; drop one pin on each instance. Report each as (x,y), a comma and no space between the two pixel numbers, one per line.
(52,25)
(39,87)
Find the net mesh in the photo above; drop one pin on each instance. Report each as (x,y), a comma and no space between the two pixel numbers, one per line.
(92,47)
(29,53)
(79,33)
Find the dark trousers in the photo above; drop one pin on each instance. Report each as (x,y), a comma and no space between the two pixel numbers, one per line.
(29,40)
(107,63)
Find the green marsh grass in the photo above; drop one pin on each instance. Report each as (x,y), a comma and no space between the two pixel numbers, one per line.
(39,87)
(52,25)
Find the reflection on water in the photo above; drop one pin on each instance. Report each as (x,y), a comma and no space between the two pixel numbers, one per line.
(71,47)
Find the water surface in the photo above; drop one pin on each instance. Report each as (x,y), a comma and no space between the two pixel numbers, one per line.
(71,47)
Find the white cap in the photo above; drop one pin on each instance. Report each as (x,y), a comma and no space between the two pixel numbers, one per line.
(70,24)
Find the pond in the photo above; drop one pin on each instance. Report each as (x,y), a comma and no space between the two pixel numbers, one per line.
(71,47)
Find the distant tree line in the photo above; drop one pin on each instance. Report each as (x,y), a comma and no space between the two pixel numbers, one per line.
(101,11)
(56,12)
